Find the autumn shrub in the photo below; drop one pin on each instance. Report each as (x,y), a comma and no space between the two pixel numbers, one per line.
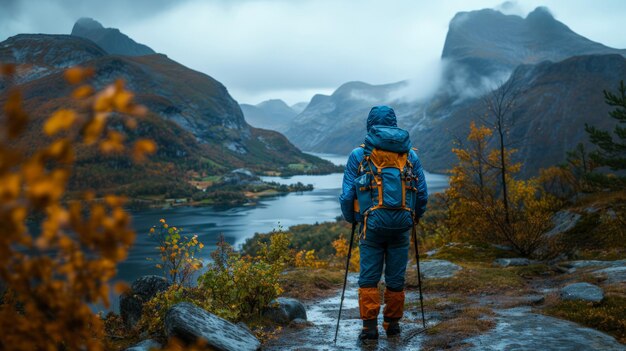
(177,253)
(478,211)
(244,284)
(341,247)
(55,268)
(316,237)
(277,251)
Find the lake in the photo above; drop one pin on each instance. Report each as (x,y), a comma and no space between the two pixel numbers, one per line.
(238,224)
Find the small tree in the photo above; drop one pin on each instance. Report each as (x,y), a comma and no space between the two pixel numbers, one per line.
(500,103)
(612,153)
(177,253)
(477,207)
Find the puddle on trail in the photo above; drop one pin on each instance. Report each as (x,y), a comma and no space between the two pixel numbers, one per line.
(323,315)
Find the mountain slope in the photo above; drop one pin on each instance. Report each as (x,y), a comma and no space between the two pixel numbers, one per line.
(488,44)
(197,125)
(299,106)
(336,123)
(110,39)
(555,102)
(271,114)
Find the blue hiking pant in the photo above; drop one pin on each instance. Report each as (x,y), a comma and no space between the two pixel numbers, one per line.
(378,250)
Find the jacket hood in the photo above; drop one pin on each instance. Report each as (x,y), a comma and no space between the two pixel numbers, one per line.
(392,139)
(381,116)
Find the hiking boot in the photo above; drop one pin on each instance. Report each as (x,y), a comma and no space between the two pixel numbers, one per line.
(392,328)
(370,330)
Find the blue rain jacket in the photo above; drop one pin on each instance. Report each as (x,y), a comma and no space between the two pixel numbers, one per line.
(383,116)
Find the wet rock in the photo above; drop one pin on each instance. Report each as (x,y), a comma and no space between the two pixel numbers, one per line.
(190,323)
(145,345)
(502,247)
(438,269)
(582,291)
(613,274)
(284,310)
(563,221)
(512,262)
(574,265)
(432,252)
(141,291)
(520,329)
(534,299)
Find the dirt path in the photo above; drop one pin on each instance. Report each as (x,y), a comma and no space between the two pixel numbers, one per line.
(516,326)
(323,315)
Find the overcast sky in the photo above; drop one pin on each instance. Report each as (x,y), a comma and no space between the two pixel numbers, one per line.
(292,49)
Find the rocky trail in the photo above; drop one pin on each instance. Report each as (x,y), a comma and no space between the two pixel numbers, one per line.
(515,321)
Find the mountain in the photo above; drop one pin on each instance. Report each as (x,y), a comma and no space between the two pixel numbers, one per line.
(110,39)
(272,114)
(488,45)
(299,107)
(336,123)
(197,125)
(561,76)
(555,101)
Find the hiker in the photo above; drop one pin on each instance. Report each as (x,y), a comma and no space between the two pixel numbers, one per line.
(385,164)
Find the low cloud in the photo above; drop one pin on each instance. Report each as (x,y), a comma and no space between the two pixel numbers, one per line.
(261,47)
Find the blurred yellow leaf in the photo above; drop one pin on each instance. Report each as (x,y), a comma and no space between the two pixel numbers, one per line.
(114,143)
(61,150)
(142,148)
(76,75)
(60,120)
(122,100)
(82,91)
(121,287)
(9,187)
(94,128)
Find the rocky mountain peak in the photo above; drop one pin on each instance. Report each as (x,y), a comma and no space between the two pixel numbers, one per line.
(85,24)
(110,39)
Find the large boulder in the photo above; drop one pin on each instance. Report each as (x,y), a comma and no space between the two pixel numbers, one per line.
(512,262)
(284,310)
(145,345)
(141,291)
(189,323)
(438,269)
(582,291)
(563,221)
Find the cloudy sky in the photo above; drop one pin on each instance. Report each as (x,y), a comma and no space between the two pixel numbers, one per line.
(292,49)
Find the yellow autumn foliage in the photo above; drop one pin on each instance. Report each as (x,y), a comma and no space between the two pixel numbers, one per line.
(476,209)
(57,257)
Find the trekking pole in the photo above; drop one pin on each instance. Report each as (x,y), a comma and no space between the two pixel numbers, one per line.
(345,280)
(419,275)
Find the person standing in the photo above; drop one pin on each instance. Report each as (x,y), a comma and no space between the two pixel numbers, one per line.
(383,190)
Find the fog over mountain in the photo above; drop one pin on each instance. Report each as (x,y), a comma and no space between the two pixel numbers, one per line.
(272,114)
(559,73)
